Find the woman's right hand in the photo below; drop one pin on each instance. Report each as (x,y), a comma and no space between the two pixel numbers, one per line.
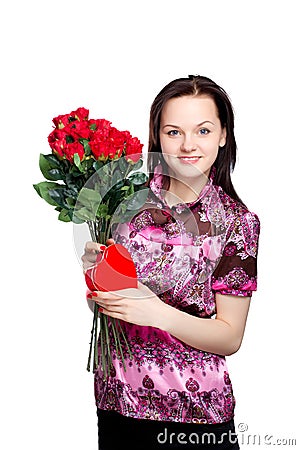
(91,251)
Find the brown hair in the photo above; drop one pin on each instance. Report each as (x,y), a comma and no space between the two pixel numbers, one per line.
(196,85)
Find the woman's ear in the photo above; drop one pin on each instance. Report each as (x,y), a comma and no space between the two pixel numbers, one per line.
(223,138)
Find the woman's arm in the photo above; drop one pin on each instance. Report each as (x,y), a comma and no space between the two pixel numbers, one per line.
(222,335)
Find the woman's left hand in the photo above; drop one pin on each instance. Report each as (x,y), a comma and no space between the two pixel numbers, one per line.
(139,305)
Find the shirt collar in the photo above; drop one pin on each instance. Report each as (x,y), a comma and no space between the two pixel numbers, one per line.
(157,182)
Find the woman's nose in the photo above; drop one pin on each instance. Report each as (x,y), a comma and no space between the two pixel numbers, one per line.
(188,144)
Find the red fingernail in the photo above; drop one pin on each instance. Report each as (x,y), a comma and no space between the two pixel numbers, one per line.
(91,295)
(100,309)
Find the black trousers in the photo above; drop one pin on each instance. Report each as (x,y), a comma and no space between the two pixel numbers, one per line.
(116,432)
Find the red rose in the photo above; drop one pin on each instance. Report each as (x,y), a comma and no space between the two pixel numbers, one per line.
(114,152)
(133,150)
(80,114)
(117,142)
(97,142)
(78,130)
(100,125)
(99,148)
(71,149)
(61,121)
(106,141)
(57,142)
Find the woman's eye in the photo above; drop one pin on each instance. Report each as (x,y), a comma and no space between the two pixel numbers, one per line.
(204,131)
(173,133)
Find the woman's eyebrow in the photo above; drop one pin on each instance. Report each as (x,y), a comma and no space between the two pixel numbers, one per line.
(199,124)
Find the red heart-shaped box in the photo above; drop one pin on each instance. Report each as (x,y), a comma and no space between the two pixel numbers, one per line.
(114,270)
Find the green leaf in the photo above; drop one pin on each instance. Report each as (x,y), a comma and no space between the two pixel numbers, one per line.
(55,175)
(106,169)
(64,216)
(53,161)
(88,202)
(75,171)
(87,164)
(84,214)
(137,200)
(97,165)
(138,178)
(117,176)
(51,167)
(76,219)
(59,196)
(89,196)
(123,208)
(86,146)
(44,188)
(77,162)
(74,183)
(123,164)
(71,201)
(137,165)
(102,211)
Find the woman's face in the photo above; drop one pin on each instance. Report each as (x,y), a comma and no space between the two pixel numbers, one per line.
(190,135)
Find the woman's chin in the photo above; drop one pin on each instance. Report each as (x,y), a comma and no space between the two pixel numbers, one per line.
(188,171)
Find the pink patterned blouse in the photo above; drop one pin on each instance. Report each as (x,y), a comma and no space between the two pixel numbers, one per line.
(185,254)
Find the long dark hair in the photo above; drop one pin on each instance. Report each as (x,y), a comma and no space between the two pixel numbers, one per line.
(196,85)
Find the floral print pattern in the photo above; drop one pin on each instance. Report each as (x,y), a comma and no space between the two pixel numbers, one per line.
(185,254)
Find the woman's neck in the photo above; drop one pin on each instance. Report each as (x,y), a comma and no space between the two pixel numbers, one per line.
(184,191)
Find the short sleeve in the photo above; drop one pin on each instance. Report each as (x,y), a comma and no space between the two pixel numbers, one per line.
(236,272)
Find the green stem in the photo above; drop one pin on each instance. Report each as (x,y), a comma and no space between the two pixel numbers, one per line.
(109,360)
(96,232)
(124,337)
(103,355)
(107,224)
(100,233)
(92,230)
(91,343)
(96,311)
(119,349)
(128,170)
(116,337)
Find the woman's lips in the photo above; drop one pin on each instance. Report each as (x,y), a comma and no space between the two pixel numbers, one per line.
(189,159)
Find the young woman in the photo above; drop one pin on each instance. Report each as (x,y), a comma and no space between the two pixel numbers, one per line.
(194,245)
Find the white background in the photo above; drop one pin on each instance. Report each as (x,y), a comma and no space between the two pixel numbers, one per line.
(113,57)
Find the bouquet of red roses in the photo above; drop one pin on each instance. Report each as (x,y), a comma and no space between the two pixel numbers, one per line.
(92,169)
